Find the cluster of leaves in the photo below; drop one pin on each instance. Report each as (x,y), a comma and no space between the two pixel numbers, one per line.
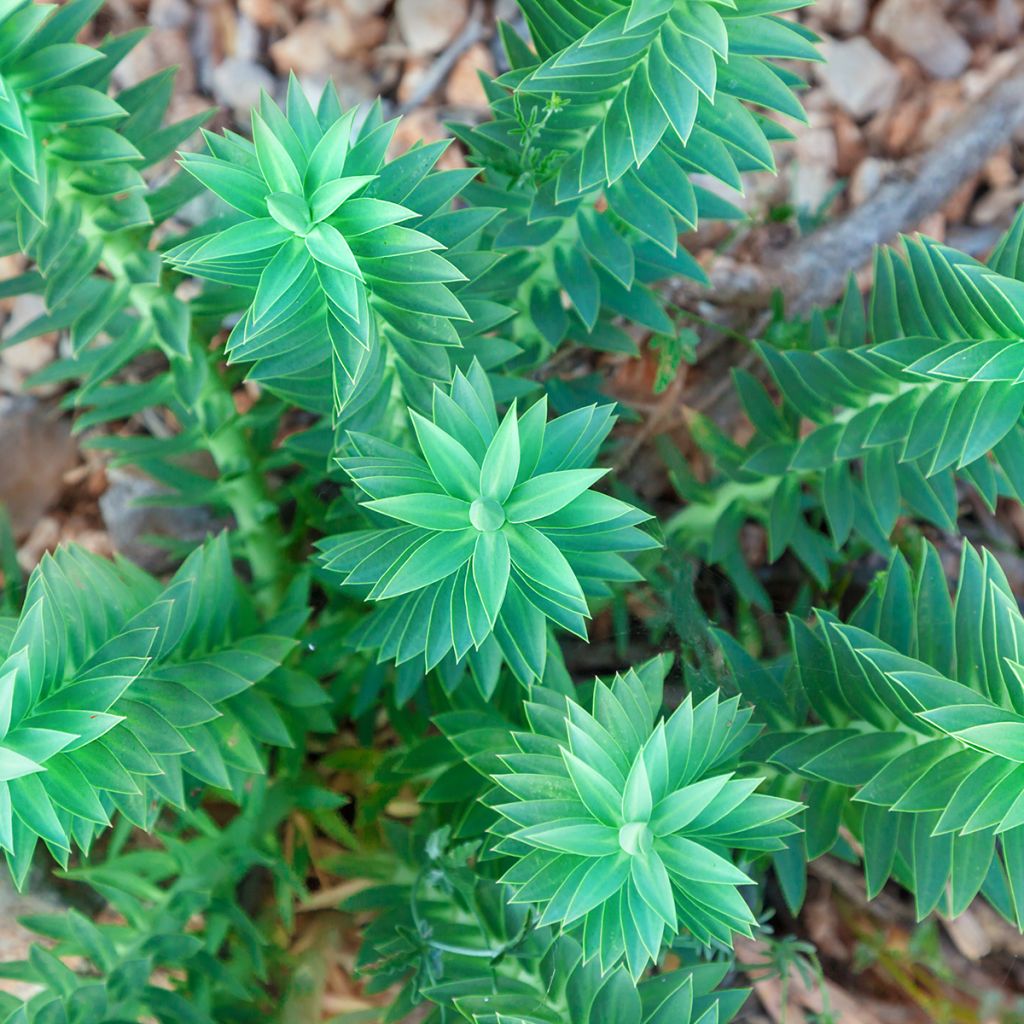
(332,243)
(935,396)
(917,724)
(500,532)
(217,972)
(119,694)
(619,825)
(615,107)
(449,937)
(387,317)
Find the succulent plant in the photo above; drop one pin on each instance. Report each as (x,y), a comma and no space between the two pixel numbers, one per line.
(622,829)
(500,530)
(322,236)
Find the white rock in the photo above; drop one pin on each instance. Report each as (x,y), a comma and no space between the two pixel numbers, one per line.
(920,29)
(428,26)
(170,13)
(858,77)
(237,84)
(815,155)
(871,172)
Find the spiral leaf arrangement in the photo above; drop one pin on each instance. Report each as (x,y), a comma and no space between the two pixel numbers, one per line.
(501,531)
(622,828)
(323,239)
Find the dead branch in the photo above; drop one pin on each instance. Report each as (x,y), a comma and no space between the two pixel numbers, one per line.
(813,270)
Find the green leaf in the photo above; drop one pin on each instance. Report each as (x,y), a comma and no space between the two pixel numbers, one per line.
(548,493)
(491,567)
(454,468)
(331,194)
(290,211)
(327,245)
(437,557)
(276,164)
(500,466)
(430,511)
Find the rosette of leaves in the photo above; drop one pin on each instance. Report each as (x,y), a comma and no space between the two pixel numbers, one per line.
(56,119)
(454,943)
(646,76)
(916,748)
(623,830)
(881,414)
(327,243)
(117,695)
(500,531)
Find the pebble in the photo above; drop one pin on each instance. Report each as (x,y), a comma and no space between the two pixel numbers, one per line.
(38,449)
(427,26)
(464,88)
(128,523)
(858,77)
(305,50)
(920,29)
(237,84)
(816,155)
(842,16)
(867,178)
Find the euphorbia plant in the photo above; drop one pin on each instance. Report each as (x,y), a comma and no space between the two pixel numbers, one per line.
(413,491)
(500,531)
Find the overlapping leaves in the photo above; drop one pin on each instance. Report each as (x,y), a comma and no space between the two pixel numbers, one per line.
(56,119)
(72,184)
(325,241)
(451,938)
(179,915)
(936,396)
(501,532)
(919,750)
(623,830)
(117,695)
(601,262)
(655,75)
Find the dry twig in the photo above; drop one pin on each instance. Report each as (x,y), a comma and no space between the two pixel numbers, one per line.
(813,270)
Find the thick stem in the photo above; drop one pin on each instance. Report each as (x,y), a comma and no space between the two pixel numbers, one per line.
(247,495)
(244,487)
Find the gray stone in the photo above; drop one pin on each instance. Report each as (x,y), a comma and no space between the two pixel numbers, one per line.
(858,77)
(37,451)
(428,26)
(237,82)
(919,28)
(843,16)
(130,523)
(868,178)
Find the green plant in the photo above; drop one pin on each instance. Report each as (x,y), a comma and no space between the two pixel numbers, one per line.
(933,397)
(501,532)
(411,497)
(617,825)
(918,748)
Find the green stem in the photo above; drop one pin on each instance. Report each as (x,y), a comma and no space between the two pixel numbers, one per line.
(248,498)
(243,486)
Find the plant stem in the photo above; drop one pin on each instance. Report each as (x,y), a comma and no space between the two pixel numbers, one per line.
(247,496)
(243,486)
